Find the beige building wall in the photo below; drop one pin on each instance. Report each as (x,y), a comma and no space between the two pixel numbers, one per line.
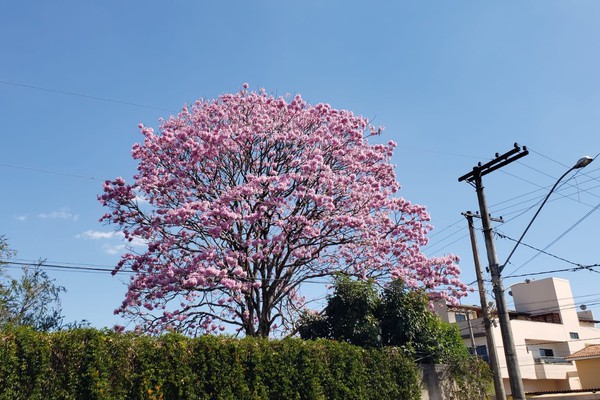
(589,373)
(534,339)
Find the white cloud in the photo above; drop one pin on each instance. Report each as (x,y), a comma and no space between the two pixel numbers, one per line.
(138,242)
(21,217)
(114,249)
(63,213)
(90,234)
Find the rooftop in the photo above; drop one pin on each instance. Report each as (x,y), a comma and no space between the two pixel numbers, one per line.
(592,351)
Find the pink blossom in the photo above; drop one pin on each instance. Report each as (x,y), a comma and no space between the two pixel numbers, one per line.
(249,196)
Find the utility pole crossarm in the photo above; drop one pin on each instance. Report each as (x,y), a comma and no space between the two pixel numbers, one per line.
(469,214)
(498,162)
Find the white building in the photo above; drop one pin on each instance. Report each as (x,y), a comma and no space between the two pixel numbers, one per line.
(546,326)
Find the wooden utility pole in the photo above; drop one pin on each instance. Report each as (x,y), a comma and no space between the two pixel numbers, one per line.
(474,178)
(487,322)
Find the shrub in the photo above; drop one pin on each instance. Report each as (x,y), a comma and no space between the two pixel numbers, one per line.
(92,364)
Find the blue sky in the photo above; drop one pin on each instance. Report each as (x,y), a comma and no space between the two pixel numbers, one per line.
(452,82)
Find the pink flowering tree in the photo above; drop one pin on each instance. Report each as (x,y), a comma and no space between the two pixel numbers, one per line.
(244,198)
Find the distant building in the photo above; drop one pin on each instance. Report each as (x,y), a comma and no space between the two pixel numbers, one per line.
(587,361)
(548,331)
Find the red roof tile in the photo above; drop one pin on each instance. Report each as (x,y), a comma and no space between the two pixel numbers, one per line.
(592,351)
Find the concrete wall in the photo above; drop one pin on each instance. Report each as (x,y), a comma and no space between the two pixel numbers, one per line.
(431,382)
(437,385)
(589,373)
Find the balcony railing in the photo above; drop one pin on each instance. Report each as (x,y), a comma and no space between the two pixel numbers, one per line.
(552,360)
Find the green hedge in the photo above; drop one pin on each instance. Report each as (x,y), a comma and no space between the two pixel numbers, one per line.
(92,364)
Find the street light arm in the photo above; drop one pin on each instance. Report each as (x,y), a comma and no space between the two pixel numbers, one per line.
(535,216)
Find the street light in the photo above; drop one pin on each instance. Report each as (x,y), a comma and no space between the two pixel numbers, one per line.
(474,177)
(514,373)
(581,163)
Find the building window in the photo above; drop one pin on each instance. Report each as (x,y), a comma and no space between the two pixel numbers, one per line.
(460,317)
(574,335)
(482,352)
(547,357)
(546,352)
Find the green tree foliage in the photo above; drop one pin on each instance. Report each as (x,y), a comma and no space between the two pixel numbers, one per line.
(471,379)
(406,321)
(92,364)
(356,313)
(4,254)
(398,318)
(350,315)
(30,297)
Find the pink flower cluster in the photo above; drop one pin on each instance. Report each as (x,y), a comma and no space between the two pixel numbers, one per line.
(248,196)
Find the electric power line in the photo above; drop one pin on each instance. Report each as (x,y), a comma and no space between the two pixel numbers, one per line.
(560,236)
(89,269)
(51,172)
(503,236)
(87,96)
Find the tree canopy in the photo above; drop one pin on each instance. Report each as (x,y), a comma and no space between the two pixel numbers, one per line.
(244,198)
(30,298)
(358,314)
(351,315)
